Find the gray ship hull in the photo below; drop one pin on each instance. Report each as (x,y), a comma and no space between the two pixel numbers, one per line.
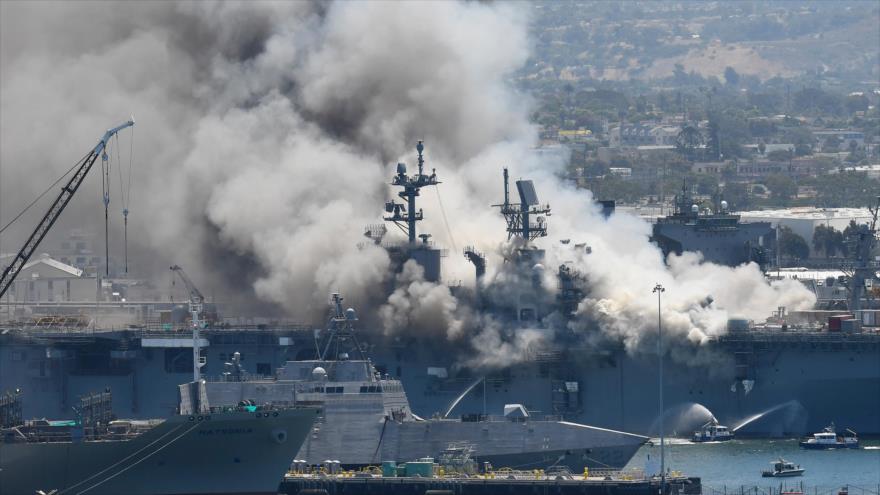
(517,445)
(527,444)
(368,421)
(782,389)
(807,381)
(228,453)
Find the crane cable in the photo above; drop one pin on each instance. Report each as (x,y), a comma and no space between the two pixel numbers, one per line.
(106,165)
(445,221)
(125,191)
(32,203)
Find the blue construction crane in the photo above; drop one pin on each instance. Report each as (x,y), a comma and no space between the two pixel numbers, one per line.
(57,207)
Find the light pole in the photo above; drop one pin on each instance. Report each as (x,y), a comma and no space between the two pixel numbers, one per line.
(658,289)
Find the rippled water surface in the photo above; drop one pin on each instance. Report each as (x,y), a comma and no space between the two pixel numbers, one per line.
(739,463)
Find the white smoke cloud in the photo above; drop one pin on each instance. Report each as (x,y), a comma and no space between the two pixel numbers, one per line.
(266,132)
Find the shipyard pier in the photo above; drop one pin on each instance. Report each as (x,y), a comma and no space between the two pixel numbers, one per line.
(456,472)
(520,484)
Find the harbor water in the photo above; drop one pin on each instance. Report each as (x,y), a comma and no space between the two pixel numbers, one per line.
(730,466)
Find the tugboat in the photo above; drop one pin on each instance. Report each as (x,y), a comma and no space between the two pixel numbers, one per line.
(782,469)
(829,439)
(713,432)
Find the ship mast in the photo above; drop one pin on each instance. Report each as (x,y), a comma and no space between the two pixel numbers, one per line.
(341,329)
(405,215)
(865,239)
(518,216)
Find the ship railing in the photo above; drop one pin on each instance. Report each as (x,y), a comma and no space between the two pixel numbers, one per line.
(273,406)
(244,377)
(44,436)
(633,474)
(796,336)
(495,418)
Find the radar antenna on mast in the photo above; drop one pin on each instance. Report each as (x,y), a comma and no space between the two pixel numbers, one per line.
(518,216)
(340,329)
(405,215)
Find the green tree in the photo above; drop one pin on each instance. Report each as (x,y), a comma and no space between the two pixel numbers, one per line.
(857,103)
(852,189)
(688,141)
(737,196)
(792,245)
(832,144)
(828,240)
(802,148)
(782,188)
(731,77)
(849,234)
(779,155)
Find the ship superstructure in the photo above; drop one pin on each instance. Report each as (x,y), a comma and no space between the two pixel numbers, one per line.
(718,235)
(406,217)
(789,377)
(367,418)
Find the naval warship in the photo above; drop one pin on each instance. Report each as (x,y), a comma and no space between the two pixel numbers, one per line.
(719,235)
(769,379)
(203,451)
(367,418)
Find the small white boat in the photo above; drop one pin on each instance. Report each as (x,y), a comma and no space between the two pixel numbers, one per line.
(712,432)
(829,439)
(782,469)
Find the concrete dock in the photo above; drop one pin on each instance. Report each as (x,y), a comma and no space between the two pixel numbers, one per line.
(371,484)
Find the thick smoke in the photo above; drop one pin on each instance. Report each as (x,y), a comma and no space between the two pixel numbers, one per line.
(266,134)
(267,129)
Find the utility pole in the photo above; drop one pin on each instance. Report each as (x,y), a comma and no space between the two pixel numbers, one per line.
(658,289)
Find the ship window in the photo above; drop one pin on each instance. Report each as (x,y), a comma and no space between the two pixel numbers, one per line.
(264,369)
(335,390)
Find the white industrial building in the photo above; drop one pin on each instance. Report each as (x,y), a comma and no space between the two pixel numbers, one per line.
(803,221)
(45,279)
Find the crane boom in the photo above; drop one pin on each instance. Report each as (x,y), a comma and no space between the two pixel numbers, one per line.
(194,294)
(55,210)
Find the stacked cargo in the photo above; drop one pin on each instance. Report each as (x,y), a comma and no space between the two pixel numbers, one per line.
(835,322)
